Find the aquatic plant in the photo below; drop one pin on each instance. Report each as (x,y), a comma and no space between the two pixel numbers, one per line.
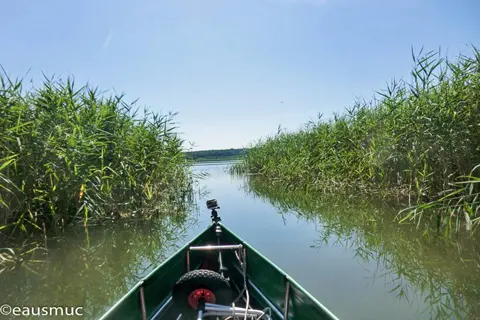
(412,263)
(73,154)
(417,140)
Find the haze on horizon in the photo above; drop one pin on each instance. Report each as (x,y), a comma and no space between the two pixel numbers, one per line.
(233,70)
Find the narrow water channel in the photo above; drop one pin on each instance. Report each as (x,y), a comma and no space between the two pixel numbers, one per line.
(374,271)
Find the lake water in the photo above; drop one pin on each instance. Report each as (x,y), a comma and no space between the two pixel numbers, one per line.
(366,271)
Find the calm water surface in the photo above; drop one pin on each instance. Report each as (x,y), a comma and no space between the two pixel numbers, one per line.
(368,273)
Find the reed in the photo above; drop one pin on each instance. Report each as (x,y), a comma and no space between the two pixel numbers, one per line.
(417,139)
(413,264)
(73,155)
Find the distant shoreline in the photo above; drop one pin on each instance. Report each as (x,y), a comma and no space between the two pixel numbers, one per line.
(216,159)
(215,155)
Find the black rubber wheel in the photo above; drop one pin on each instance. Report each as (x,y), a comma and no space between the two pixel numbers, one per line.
(196,280)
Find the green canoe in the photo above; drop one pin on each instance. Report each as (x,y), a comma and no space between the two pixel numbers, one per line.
(218,276)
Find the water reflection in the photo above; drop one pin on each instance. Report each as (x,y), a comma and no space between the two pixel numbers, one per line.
(94,267)
(411,265)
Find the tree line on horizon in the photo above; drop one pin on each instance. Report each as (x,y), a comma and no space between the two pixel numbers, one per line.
(216,153)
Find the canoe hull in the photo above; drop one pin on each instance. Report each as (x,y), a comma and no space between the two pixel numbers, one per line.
(268,285)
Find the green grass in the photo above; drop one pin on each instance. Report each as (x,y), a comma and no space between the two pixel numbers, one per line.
(74,155)
(416,139)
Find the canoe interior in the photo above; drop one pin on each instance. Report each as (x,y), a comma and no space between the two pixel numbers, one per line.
(266,281)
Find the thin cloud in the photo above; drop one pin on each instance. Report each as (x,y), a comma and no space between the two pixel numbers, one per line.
(106,43)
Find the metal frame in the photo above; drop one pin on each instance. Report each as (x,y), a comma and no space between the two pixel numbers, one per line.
(162,307)
(221,310)
(267,301)
(218,247)
(210,248)
(211,309)
(287,299)
(142,303)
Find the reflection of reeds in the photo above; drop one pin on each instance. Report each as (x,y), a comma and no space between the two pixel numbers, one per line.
(97,268)
(458,205)
(415,140)
(25,257)
(442,272)
(71,155)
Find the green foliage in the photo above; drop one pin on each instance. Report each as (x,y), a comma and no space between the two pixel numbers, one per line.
(445,274)
(70,155)
(415,139)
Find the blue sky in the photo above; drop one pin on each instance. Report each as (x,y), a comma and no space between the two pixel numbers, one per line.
(226,66)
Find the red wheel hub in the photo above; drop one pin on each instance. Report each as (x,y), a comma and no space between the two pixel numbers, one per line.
(195,296)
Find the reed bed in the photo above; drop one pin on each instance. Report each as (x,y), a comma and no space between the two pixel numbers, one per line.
(411,263)
(73,155)
(417,139)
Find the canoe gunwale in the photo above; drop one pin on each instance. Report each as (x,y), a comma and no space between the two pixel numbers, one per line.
(288,279)
(185,249)
(140,283)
